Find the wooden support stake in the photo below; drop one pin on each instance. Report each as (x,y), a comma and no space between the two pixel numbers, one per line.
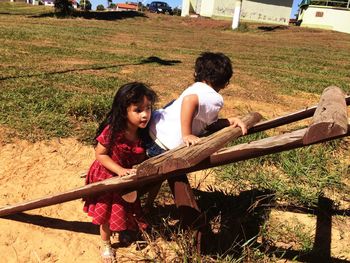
(330,118)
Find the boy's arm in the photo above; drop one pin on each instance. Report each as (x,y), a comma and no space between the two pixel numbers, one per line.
(189,108)
(222,123)
(237,122)
(108,163)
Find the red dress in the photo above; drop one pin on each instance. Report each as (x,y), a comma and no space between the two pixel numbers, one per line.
(109,207)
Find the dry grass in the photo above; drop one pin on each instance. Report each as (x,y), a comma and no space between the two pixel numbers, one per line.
(57,79)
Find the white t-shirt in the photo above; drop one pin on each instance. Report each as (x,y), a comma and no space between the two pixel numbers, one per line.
(166,123)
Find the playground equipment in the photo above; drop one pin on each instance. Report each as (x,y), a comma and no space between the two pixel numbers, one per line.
(330,121)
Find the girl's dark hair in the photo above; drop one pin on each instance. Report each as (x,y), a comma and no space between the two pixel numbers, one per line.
(213,68)
(130,93)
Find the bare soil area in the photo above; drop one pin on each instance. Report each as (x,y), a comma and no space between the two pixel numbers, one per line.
(64,233)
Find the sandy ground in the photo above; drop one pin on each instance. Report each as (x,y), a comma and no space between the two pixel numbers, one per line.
(58,233)
(63,232)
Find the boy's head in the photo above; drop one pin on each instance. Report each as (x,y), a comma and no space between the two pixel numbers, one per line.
(213,68)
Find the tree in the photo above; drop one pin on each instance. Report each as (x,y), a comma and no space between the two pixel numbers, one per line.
(100,8)
(177,11)
(85,5)
(64,7)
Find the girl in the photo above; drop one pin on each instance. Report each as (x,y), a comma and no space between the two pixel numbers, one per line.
(119,147)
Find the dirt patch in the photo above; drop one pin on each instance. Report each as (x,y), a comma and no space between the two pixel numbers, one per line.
(63,232)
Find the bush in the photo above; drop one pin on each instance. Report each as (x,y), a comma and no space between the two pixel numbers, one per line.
(100,8)
(85,5)
(64,7)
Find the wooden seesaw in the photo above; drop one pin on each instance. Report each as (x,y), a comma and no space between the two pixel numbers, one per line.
(329,122)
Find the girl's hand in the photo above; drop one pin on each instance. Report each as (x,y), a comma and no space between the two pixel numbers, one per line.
(236,122)
(124,172)
(190,139)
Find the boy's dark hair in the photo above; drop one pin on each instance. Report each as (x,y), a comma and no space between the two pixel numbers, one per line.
(213,68)
(130,93)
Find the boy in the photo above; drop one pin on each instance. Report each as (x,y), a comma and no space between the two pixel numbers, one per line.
(196,111)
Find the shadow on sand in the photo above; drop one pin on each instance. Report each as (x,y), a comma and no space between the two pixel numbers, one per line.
(235,223)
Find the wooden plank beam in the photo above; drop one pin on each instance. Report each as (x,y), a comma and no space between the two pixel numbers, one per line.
(185,157)
(241,152)
(229,155)
(330,118)
(115,183)
(232,154)
(153,170)
(289,118)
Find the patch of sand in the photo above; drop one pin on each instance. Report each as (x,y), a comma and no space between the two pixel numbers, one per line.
(58,233)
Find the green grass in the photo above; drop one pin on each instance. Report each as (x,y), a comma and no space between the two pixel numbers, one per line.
(297,176)
(86,56)
(58,77)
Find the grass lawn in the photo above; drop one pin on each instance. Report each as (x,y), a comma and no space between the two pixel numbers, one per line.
(58,77)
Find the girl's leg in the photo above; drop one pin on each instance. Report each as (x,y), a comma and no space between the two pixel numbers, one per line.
(105,232)
(107,252)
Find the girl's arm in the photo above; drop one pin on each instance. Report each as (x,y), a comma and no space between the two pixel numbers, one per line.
(189,108)
(107,162)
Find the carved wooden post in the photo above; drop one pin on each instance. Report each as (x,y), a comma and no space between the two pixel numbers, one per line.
(330,118)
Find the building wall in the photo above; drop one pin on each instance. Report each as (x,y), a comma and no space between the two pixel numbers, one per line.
(188,7)
(224,8)
(264,11)
(206,7)
(326,18)
(267,11)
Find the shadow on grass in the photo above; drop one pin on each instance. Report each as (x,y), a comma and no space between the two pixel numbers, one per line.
(149,60)
(235,224)
(232,219)
(272,28)
(321,251)
(235,221)
(107,15)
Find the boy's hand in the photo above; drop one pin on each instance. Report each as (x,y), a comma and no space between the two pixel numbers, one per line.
(236,122)
(190,139)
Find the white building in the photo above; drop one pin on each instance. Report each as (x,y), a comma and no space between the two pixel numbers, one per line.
(263,11)
(333,15)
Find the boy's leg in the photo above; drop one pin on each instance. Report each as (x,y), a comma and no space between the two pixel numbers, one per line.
(152,194)
(190,214)
(153,149)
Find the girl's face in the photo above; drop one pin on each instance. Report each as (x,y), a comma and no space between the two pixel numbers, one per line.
(139,114)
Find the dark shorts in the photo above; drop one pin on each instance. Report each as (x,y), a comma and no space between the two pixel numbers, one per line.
(153,149)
